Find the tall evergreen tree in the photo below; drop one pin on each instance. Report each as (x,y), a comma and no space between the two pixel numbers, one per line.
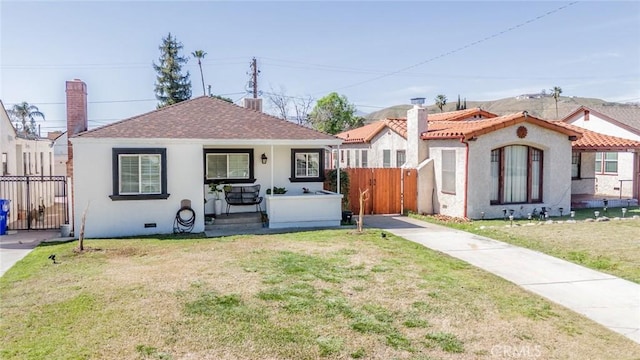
(458,104)
(171,86)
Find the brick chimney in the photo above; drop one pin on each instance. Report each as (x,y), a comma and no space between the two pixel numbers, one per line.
(77,118)
(417,149)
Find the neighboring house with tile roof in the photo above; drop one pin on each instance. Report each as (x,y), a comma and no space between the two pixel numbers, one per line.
(486,168)
(132,175)
(617,169)
(383,143)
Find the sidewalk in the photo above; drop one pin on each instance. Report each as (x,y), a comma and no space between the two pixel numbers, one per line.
(16,245)
(605,299)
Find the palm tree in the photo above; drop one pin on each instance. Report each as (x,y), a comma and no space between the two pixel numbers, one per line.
(555,92)
(199,54)
(24,111)
(441,101)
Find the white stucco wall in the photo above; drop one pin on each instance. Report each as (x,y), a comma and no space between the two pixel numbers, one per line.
(60,155)
(447,203)
(602,126)
(185,180)
(8,142)
(586,184)
(556,172)
(556,192)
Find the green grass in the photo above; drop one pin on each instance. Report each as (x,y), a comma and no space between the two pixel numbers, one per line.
(305,295)
(607,246)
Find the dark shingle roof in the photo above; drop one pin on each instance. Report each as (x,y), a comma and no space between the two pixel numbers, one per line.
(206,118)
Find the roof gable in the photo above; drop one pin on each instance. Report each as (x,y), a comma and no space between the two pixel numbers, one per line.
(206,118)
(466,130)
(626,117)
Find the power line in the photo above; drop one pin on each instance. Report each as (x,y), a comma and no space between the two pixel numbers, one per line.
(110,101)
(451,52)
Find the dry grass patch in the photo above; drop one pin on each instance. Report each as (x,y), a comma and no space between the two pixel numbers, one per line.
(310,295)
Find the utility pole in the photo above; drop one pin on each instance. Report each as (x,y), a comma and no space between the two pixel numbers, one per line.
(253,84)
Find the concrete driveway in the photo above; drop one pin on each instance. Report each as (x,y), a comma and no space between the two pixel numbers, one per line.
(603,298)
(17,244)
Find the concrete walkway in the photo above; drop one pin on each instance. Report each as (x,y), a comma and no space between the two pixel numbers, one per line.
(603,298)
(16,245)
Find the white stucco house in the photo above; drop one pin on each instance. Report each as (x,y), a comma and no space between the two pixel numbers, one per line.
(616,168)
(383,143)
(23,155)
(132,176)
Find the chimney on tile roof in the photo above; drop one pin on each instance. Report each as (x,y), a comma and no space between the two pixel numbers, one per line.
(77,115)
(253,104)
(417,149)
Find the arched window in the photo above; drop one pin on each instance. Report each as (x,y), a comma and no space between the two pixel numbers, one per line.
(516,175)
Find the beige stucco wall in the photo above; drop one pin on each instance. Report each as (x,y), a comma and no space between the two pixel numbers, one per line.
(586,184)
(556,172)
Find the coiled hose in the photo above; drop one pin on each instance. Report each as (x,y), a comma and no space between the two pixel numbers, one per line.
(184,225)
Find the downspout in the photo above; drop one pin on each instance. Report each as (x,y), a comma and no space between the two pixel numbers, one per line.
(466,176)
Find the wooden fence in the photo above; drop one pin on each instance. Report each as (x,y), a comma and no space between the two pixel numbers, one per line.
(391,190)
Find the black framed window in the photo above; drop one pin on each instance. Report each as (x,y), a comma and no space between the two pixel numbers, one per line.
(139,173)
(307,165)
(229,165)
(575,164)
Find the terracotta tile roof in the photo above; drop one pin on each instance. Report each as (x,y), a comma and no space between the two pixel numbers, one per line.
(461,115)
(625,116)
(366,133)
(466,130)
(592,140)
(206,118)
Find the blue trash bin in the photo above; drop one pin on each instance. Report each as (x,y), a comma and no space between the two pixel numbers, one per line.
(4,216)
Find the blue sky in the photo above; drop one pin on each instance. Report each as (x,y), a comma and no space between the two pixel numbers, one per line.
(480,50)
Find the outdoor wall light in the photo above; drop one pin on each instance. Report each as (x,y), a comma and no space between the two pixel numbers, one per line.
(263,158)
(624,211)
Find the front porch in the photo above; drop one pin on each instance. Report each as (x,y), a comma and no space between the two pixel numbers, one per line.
(584,201)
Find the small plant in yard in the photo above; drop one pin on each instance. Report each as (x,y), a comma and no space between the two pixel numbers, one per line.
(446,341)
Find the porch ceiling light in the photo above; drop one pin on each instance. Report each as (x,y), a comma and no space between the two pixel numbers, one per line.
(263,158)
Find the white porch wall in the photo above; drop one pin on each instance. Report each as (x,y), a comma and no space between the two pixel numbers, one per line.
(556,189)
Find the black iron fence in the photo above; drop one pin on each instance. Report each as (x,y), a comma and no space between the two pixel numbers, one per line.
(36,202)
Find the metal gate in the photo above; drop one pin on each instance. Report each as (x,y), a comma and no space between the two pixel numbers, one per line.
(36,202)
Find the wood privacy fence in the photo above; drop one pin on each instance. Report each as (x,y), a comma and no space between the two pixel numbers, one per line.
(391,190)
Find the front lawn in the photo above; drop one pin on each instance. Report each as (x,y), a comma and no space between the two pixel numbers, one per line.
(323,294)
(612,247)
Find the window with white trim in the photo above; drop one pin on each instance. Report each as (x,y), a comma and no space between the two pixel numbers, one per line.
(365,160)
(448,171)
(401,158)
(139,174)
(5,164)
(386,158)
(607,163)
